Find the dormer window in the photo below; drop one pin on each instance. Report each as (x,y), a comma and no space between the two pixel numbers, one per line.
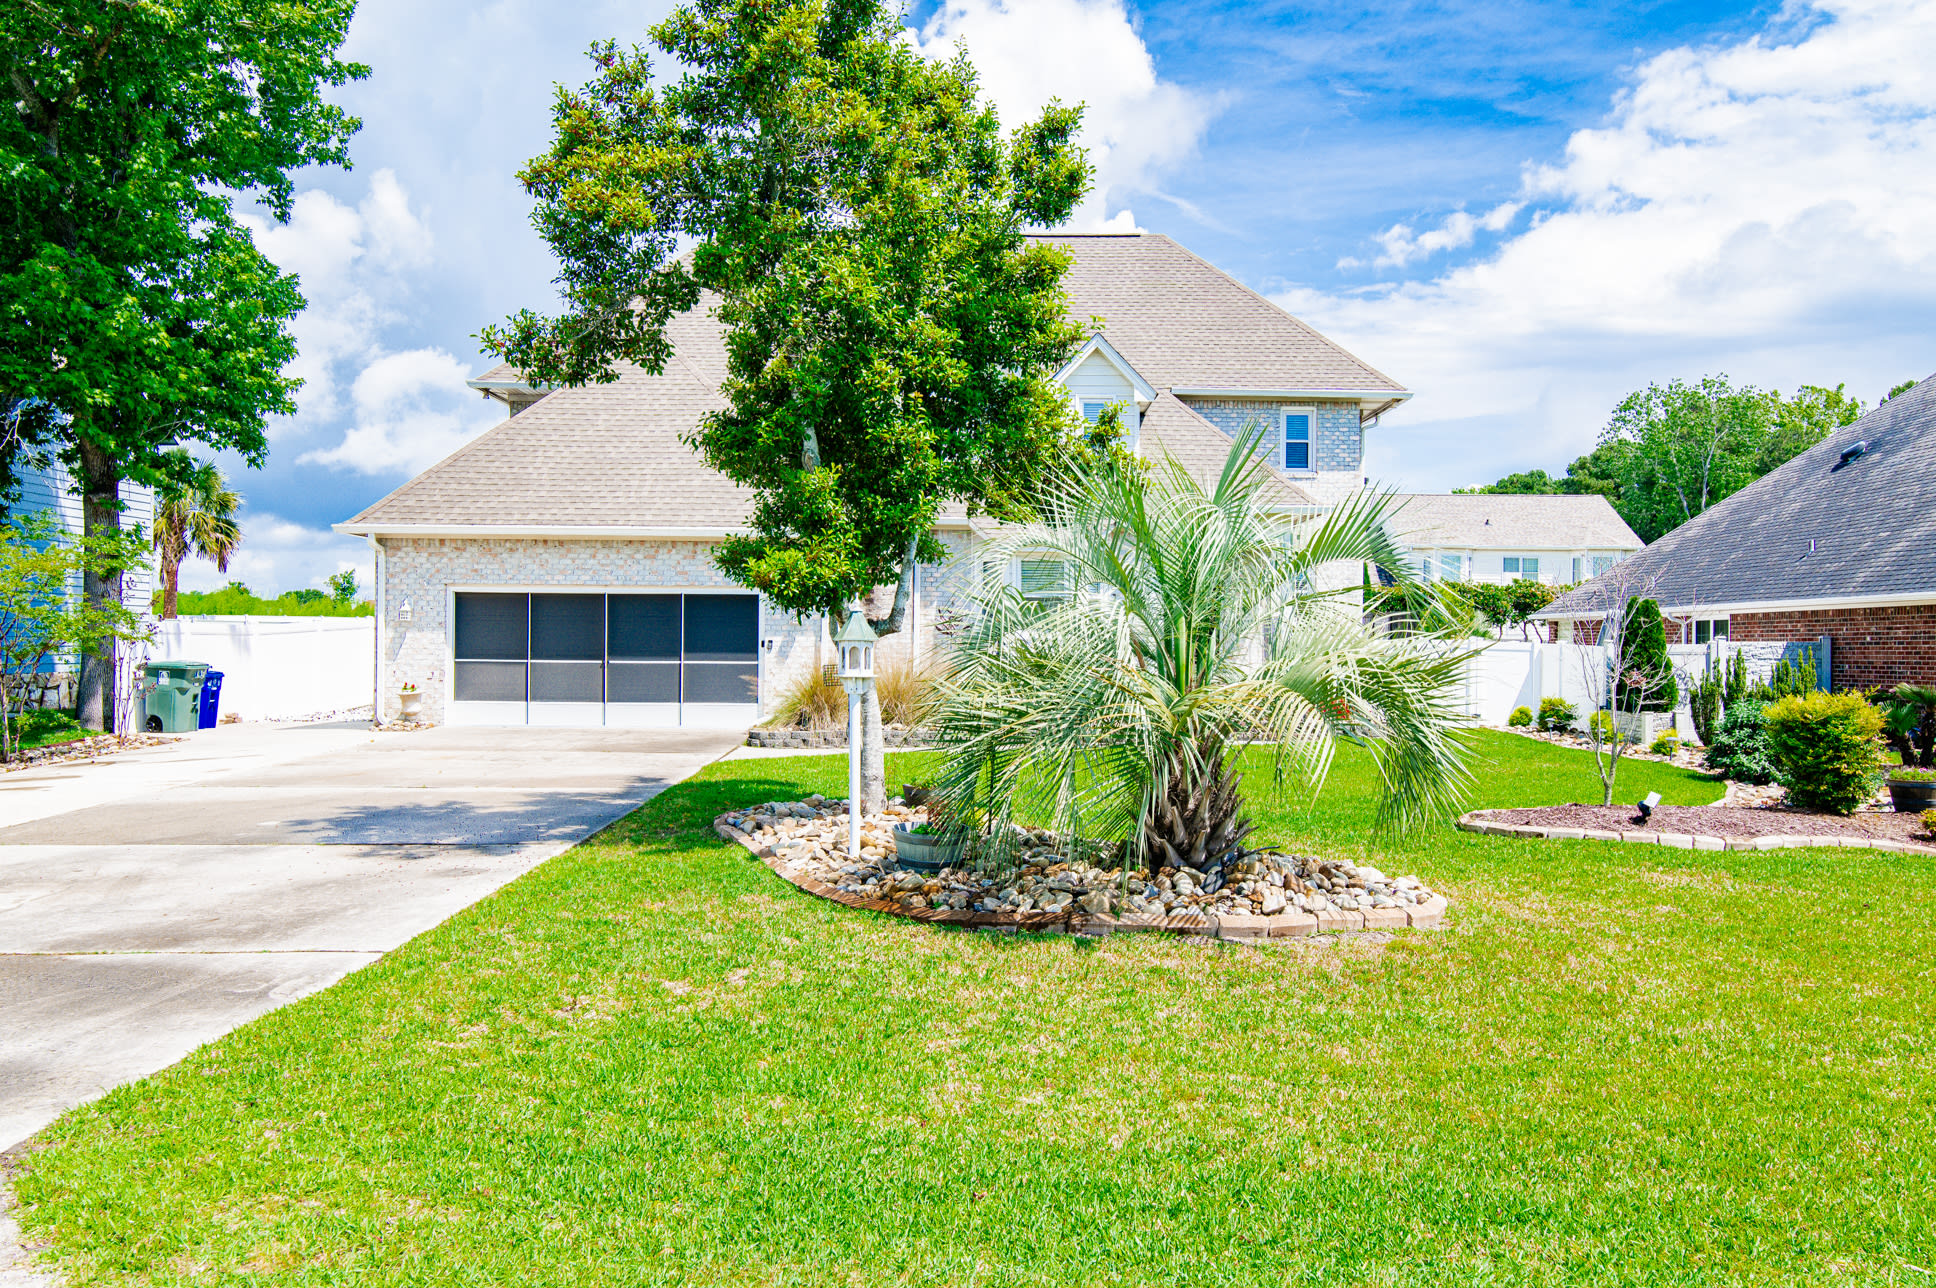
(1093,408)
(1298,427)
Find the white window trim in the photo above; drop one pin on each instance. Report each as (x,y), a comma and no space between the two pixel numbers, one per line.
(1283,439)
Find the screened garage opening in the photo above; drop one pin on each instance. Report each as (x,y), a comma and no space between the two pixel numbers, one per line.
(627,659)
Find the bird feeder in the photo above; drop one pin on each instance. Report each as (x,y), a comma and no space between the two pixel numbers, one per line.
(855,647)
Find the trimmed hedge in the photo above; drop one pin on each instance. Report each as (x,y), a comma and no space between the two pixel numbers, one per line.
(1520,718)
(1827,748)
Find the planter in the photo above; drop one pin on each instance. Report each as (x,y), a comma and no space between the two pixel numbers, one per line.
(408,702)
(1912,796)
(924,853)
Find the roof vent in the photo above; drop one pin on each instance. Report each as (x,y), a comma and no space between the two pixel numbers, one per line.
(1852,451)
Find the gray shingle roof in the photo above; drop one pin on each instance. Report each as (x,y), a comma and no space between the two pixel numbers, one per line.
(1186,324)
(1484,521)
(610,456)
(1813,528)
(1171,428)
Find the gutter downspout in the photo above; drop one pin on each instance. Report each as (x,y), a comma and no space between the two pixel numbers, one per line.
(376,635)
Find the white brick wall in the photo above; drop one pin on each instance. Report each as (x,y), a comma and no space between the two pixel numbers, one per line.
(421,570)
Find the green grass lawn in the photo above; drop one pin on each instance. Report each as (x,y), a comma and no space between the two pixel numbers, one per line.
(652,1062)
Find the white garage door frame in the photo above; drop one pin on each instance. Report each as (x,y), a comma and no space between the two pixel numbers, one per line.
(591,715)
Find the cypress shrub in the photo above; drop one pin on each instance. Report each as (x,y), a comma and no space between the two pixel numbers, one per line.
(1827,748)
(1740,747)
(1643,650)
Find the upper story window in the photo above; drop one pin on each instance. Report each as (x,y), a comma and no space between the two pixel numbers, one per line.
(1298,427)
(1093,408)
(1523,567)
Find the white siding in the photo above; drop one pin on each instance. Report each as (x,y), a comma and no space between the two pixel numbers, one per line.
(1097,379)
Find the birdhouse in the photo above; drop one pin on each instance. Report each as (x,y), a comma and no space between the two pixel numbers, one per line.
(856,644)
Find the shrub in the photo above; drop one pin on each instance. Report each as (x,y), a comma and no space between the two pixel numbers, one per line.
(1556,715)
(1929,821)
(1666,745)
(1740,748)
(1600,726)
(1520,718)
(1704,704)
(1646,679)
(1899,774)
(906,691)
(1827,748)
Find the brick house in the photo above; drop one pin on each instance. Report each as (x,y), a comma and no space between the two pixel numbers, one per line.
(558,569)
(1836,544)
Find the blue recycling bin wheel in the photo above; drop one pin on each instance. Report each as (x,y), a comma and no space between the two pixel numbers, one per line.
(211,698)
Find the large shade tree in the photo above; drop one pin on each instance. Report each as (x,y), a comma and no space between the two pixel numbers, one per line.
(1199,619)
(136,312)
(857,215)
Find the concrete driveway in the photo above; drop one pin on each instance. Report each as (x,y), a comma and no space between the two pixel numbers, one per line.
(151,902)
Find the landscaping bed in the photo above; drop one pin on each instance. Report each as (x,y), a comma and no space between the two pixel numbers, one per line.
(1715,820)
(82,749)
(1081,884)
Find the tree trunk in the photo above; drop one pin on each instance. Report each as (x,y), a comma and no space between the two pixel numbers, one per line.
(170,576)
(1196,824)
(100,513)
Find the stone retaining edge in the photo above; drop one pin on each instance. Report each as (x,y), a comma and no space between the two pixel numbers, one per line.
(1285,925)
(1471,821)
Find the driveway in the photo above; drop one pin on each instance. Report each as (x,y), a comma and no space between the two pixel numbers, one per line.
(151,902)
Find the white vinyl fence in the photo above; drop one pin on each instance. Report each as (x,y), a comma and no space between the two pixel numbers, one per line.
(277,666)
(1518,673)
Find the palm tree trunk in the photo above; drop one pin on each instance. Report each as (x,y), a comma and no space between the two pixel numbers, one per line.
(1196,822)
(170,576)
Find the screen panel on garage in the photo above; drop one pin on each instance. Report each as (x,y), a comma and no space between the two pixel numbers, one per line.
(722,649)
(567,648)
(492,638)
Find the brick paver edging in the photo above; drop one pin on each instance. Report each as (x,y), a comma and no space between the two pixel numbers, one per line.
(1429,915)
(1476,822)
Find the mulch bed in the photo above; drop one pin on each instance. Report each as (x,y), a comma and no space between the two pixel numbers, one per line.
(1716,820)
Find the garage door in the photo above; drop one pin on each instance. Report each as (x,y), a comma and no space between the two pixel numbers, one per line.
(628,659)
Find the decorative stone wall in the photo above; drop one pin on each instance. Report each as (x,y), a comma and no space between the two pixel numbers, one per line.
(421,570)
(1337,452)
(1868,647)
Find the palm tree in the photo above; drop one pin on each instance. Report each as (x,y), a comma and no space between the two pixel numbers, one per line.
(1188,624)
(194,514)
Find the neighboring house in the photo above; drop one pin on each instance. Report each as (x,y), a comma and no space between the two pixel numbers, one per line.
(1488,537)
(50,488)
(1834,544)
(558,570)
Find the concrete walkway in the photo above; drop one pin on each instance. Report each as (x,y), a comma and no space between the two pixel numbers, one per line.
(152,902)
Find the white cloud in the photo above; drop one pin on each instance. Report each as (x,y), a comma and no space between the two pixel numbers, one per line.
(277,555)
(1135,126)
(1765,208)
(1402,245)
(411,410)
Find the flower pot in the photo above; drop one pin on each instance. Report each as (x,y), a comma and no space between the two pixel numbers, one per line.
(1911,796)
(924,853)
(408,702)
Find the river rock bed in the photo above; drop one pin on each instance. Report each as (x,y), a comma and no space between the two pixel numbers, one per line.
(1052,875)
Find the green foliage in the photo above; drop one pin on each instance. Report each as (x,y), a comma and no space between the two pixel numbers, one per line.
(1899,774)
(1827,748)
(194,515)
(1704,702)
(342,586)
(1556,715)
(1600,727)
(46,726)
(236,600)
(1928,820)
(1739,748)
(1512,604)
(41,617)
(1666,744)
(1646,677)
(1736,686)
(1121,714)
(1903,388)
(1520,718)
(859,214)
(1909,723)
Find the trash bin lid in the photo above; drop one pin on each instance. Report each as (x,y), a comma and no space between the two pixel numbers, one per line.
(153,669)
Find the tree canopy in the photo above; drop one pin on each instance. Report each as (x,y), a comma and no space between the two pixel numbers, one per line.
(1670,452)
(858,216)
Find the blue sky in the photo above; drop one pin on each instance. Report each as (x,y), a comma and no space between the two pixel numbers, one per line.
(1520,210)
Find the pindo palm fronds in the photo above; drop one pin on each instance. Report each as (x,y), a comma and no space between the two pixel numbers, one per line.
(1193,621)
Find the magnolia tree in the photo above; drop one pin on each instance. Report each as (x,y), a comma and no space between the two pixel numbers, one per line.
(856,216)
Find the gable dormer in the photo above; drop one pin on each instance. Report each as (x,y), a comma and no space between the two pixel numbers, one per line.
(1099,377)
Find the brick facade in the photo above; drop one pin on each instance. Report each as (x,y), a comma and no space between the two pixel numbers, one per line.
(1869,647)
(421,570)
(1337,452)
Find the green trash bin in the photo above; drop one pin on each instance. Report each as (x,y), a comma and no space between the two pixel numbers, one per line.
(171,696)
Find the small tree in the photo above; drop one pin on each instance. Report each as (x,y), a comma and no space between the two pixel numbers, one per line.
(41,617)
(342,586)
(1645,681)
(194,515)
(1610,686)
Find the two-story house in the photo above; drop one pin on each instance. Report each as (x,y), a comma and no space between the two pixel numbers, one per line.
(1487,537)
(558,570)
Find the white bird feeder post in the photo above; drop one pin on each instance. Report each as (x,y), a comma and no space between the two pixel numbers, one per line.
(856,644)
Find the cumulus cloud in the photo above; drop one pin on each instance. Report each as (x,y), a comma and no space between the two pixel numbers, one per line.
(1401,244)
(1136,125)
(277,555)
(1765,207)
(411,410)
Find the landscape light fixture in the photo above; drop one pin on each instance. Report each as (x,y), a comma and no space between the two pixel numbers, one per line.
(855,648)
(1647,805)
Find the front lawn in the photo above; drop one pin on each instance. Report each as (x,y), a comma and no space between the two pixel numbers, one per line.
(652,1062)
